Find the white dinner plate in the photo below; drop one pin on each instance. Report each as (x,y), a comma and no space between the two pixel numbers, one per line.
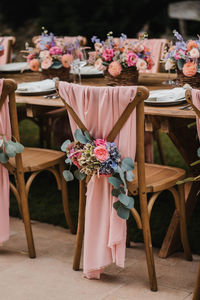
(166,97)
(42,87)
(14,67)
(88,71)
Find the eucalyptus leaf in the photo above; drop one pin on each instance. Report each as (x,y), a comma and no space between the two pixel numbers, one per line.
(10,148)
(129,176)
(116,205)
(180,64)
(87,135)
(116,192)
(116,182)
(79,175)
(131,203)
(65,145)
(19,147)
(3,158)
(68,161)
(124,199)
(79,136)
(56,64)
(127,164)
(123,212)
(68,175)
(121,174)
(198,152)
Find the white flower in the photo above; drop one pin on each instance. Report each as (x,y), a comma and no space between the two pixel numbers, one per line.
(194,53)
(141,64)
(169,65)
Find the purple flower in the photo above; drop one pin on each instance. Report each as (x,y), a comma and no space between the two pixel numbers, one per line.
(94,39)
(178,35)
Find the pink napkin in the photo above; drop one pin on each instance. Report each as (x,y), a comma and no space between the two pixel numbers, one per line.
(4,177)
(3,58)
(105,233)
(196,102)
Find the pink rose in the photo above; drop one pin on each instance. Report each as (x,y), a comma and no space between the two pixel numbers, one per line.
(30,57)
(108,54)
(34,64)
(101,153)
(56,50)
(100,142)
(114,68)
(131,59)
(66,60)
(194,53)
(47,62)
(141,64)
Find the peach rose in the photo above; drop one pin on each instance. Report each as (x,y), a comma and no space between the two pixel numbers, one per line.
(46,63)
(66,60)
(194,53)
(191,44)
(189,69)
(114,68)
(101,153)
(141,64)
(34,64)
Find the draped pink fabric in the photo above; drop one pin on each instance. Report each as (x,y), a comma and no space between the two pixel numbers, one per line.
(196,102)
(105,233)
(156,47)
(4,178)
(3,58)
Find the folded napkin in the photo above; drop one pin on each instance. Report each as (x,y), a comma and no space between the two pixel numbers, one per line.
(88,70)
(36,86)
(167,95)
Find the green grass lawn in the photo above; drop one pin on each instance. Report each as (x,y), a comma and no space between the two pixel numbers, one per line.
(46,205)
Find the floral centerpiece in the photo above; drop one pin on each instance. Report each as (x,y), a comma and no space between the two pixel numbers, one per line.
(184,57)
(51,55)
(121,57)
(100,158)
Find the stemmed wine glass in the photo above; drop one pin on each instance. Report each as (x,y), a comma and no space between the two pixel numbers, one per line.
(79,61)
(169,81)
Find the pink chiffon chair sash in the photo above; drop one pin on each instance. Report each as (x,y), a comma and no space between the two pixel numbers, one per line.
(196,102)
(5,129)
(4,58)
(105,233)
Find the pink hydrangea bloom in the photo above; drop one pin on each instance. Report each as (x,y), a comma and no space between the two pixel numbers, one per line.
(114,68)
(56,50)
(101,153)
(131,59)
(108,54)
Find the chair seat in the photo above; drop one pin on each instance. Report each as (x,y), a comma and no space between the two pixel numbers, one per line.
(158,178)
(35,159)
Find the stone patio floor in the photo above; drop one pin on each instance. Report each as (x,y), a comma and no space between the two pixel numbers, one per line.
(50,275)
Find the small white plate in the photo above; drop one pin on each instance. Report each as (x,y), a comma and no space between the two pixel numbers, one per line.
(42,87)
(166,97)
(14,67)
(88,71)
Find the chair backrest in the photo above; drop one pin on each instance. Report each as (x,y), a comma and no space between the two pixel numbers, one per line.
(7,42)
(156,47)
(193,98)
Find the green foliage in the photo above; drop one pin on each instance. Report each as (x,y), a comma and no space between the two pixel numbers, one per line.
(68,175)
(79,136)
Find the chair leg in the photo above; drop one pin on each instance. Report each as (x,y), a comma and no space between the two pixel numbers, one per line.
(26,215)
(80,229)
(65,199)
(183,224)
(147,242)
(196,295)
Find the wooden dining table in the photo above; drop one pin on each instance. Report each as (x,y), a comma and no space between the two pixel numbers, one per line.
(169,119)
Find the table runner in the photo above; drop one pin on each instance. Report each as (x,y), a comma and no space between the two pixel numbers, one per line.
(5,129)
(105,233)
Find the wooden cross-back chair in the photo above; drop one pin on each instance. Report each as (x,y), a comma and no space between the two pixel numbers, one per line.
(32,161)
(196,294)
(149,178)
(8,43)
